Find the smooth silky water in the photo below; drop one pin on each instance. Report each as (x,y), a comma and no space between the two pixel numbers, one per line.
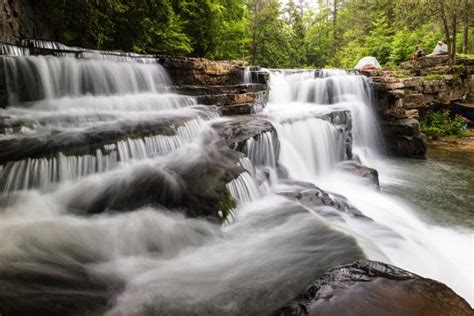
(150,260)
(408,230)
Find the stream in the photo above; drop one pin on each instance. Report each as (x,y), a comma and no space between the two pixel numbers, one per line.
(104,168)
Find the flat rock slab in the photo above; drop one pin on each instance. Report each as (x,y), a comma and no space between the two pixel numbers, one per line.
(374,288)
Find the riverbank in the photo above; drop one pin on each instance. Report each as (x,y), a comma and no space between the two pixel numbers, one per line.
(461,142)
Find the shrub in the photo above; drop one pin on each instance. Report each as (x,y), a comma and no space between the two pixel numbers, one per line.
(437,124)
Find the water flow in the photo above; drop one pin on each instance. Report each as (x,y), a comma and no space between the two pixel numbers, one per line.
(121,146)
(49,77)
(311,152)
(81,116)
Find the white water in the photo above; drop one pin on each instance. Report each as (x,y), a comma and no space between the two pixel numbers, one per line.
(308,152)
(154,260)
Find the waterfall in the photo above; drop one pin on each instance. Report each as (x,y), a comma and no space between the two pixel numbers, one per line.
(330,89)
(12,50)
(311,147)
(43,172)
(86,101)
(49,77)
(102,167)
(261,150)
(243,189)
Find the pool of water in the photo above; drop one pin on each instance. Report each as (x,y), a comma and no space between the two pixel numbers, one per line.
(440,188)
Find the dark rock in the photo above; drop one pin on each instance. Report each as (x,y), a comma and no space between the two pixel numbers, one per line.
(197,186)
(20,19)
(318,200)
(370,175)
(407,127)
(375,288)
(234,132)
(407,146)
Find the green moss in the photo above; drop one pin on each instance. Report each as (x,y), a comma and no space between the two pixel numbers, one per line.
(226,203)
(400,74)
(433,77)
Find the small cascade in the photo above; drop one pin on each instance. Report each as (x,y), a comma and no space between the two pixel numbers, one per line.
(247,75)
(243,189)
(328,90)
(43,173)
(310,147)
(74,104)
(247,164)
(261,150)
(49,77)
(12,50)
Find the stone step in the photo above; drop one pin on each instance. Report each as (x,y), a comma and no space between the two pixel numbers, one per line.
(195,90)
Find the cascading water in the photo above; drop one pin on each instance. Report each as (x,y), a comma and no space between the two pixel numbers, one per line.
(311,153)
(101,160)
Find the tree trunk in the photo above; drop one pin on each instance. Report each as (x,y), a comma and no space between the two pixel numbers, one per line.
(466,27)
(254,33)
(334,25)
(447,34)
(453,50)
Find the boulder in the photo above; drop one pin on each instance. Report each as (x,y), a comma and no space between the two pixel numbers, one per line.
(375,288)
(408,127)
(322,202)
(234,132)
(407,146)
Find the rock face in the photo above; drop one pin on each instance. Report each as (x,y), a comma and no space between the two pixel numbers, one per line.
(217,83)
(401,101)
(21,19)
(201,71)
(375,288)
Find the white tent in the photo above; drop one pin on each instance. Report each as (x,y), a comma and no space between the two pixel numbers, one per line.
(368,62)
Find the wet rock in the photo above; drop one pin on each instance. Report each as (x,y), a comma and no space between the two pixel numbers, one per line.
(369,175)
(375,288)
(408,127)
(234,132)
(88,141)
(196,186)
(320,201)
(407,146)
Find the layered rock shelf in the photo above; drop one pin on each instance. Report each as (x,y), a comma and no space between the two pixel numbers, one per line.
(402,97)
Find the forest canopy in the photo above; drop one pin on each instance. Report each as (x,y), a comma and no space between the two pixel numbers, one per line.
(270,33)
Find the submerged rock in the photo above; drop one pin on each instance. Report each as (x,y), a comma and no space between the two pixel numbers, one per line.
(369,175)
(374,288)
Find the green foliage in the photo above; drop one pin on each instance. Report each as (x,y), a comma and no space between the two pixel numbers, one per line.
(437,124)
(405,41)
(334,33)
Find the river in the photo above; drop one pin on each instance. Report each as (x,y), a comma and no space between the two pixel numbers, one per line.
(103,167)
